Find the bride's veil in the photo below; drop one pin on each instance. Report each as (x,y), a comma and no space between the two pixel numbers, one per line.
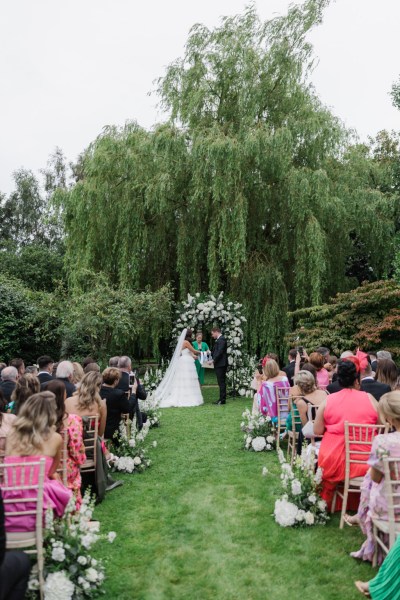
(164,389)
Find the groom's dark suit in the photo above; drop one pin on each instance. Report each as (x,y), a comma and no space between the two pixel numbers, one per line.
(220,358)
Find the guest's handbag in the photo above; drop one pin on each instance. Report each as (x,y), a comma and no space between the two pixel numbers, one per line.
(308,430)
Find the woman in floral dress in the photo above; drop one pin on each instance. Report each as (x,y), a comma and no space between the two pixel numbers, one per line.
(75,447)
(373,501)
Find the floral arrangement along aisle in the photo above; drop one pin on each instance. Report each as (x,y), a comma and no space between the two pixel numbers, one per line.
(300,505)
(130,455)
(260,432)
(154,375)
(242,377)
(153,413)
(70,572)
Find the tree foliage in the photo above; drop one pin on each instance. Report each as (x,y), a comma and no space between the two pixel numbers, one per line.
(251,186)
(368,317)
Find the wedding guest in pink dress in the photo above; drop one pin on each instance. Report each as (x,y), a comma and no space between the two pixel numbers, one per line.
(33,437)
(267,393)
(318,361)
(73,426)
(373,502)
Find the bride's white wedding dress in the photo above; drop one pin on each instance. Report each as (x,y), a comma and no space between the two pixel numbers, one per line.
(180,385)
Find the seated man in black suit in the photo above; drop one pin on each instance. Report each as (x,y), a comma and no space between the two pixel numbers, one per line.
(125,366)
(9,376)
(45,364)
(116,399)
(369,385)
(289,369)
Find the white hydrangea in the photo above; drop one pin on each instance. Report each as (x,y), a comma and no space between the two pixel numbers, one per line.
(88,540)
(321,505)
(301,515)
(58,586)
(58,554)
(132,443)
(312,498)
(258,444)
(91,575)
(270,439)
(137,461)
(285,513)
(82,560)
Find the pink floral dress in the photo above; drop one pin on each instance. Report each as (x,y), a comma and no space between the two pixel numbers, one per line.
(76,456)
(373,501)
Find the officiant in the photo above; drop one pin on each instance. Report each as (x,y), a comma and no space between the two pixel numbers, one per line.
(201,347)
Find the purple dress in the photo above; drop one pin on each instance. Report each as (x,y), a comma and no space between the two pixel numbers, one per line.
(373,501)
(267,397)
(55,494)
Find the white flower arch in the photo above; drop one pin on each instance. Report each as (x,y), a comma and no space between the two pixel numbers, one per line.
(202,310)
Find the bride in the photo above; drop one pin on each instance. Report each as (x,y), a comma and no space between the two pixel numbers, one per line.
(180,385)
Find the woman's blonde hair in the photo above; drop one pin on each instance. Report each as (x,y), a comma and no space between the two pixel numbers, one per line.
(34,424)
(271,369)
(389,406)
(306,382)
(88,391)
(78,372)
(26,386)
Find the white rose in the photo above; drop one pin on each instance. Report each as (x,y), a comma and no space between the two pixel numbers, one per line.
(137,461)
(258,444)
(285,513)
(91,575)
(312,498)
(309,518)
(82,560)
(270,439)
(269,447)
(58,586)
(301,515)
(296,487)
(242,392)
(321,505)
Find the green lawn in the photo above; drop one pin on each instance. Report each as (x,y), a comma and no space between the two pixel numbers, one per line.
(198,524)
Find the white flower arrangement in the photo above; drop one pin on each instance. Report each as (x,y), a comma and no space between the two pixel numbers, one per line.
(151,408)
(70,572)
(130,455)
(259,432)
(299,505)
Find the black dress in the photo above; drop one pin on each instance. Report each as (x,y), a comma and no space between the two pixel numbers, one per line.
(117,405)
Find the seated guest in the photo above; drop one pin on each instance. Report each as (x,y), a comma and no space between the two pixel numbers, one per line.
(72,424)
(370,385)
(385,585)
(113,362)
(125,366)
(46,364)
(87,361)
(276,359)
(26,386)
(352,405)
(387,373)
(6,421)
(19,364)
(317,360)
(2,366)
(65,373)
(77,374)
(86,401)
(116,400)
(326,353)
(92,367)
(289,368)
(32,370)
(32,437)
(15,567)
(373,501)
(9,376)
(267,395)
(309,395)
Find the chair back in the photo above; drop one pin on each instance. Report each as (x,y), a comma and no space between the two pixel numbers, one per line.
(392,492)
(282,406)
(62,469)
(90,436)
(127,424)
(358,442)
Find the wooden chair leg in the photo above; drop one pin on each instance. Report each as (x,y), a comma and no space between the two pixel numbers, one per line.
(344,506)
(333,505)
(375,556)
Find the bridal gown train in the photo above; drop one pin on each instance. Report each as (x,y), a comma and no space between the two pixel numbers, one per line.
(183,389)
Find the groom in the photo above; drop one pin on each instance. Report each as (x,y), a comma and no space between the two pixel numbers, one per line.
(220,359)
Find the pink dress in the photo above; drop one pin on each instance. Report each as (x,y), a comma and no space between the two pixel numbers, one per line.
(76,456)
(322,378)
(55,496)
(373,502)
(347,405)
(267,397)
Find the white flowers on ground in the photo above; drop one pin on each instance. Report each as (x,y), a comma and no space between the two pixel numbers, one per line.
(309,518)
(296,487)
(91,575)
(154,444)
(285,513)
(264,472)
(258,444)
(111,536)
(137,461)
(58,586)
(58,552)
(82,560)
(125,463)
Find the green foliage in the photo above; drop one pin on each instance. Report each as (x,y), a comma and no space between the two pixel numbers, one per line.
(16,312)
(368,317)
(251,186)
(37,265)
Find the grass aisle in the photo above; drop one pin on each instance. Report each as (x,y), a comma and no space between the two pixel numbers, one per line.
(197,525)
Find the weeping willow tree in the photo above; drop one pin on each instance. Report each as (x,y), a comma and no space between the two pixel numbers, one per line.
(251,186)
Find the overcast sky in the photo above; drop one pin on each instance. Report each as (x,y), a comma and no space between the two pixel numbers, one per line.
(69,67)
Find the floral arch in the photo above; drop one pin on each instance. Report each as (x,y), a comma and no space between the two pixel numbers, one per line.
(202,310)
